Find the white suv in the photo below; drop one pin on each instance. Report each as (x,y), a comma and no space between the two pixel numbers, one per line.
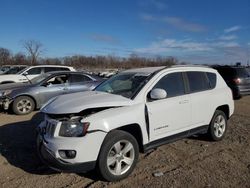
(134,111)
(27,74)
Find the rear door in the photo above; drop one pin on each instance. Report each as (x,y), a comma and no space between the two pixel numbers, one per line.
(200,96)
(170,115)
(80,82)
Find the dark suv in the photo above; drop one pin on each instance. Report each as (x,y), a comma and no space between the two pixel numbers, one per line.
(237,78)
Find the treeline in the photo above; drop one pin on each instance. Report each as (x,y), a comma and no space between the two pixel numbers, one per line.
(86,62)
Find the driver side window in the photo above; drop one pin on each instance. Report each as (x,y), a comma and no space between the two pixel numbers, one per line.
(56,80)
(172,83)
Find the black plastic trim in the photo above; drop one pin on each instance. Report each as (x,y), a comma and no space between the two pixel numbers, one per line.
(172,138)
(147,121)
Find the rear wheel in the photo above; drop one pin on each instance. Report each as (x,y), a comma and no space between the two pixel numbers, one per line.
(118,155)
(218,126)
(23,105)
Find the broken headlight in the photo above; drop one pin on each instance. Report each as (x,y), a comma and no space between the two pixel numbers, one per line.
(4,93)
(73,128)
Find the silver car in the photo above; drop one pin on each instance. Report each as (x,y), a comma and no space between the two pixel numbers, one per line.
(23,98)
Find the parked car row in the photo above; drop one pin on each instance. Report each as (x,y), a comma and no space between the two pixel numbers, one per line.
(13,69)
(4,68)
(236,77)
(108,73)
(23,98)
(25,75)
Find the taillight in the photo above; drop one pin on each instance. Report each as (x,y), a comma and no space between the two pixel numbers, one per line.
(237,80)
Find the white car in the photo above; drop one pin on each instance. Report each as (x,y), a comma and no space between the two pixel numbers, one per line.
(135,110)
(31,72)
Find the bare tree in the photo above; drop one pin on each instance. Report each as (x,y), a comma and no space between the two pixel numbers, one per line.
(4,56)
(19,59)
(34,49)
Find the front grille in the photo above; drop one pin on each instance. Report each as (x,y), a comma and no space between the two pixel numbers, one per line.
(50,128)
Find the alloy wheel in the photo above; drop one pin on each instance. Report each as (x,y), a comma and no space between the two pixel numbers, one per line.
(120,157)
(24,106)
(219,126)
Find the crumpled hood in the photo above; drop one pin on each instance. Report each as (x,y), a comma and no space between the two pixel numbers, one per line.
(77,102)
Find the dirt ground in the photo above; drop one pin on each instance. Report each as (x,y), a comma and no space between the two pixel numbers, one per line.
(192,162)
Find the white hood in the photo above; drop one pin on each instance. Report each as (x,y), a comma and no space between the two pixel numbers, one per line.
(77,102)
(11,77)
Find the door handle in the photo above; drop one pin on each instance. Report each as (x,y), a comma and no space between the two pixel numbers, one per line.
(183,102)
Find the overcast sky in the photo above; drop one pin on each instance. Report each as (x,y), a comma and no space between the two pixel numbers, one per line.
(196,31)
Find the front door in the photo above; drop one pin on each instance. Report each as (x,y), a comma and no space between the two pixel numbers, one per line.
(171,115)
(55,86)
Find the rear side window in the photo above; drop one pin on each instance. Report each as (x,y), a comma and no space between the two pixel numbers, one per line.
(79,78)
(62,69)
(50,69)
(173,84)
(212,79)
(34,71)
(197,81)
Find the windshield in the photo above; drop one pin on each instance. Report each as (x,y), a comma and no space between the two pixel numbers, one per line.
(39,79)
(125,84)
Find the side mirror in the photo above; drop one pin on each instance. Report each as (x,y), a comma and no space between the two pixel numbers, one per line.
(158,93)
(25,73)
(46,84)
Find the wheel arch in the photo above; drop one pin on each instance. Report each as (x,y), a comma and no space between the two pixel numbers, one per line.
(224,108)
(27,95)
(135,130)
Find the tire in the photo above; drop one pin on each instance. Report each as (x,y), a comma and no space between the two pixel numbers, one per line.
(122,162)
(218,126)
(23,105)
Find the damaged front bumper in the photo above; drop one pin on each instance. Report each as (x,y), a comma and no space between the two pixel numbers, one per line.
(54,163)
(51,148)
(5,103)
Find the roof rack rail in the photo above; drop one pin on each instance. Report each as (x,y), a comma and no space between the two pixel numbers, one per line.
(191,65)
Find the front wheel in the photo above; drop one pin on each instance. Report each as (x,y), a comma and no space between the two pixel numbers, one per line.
(118,155)
(23,105)
(218,126)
